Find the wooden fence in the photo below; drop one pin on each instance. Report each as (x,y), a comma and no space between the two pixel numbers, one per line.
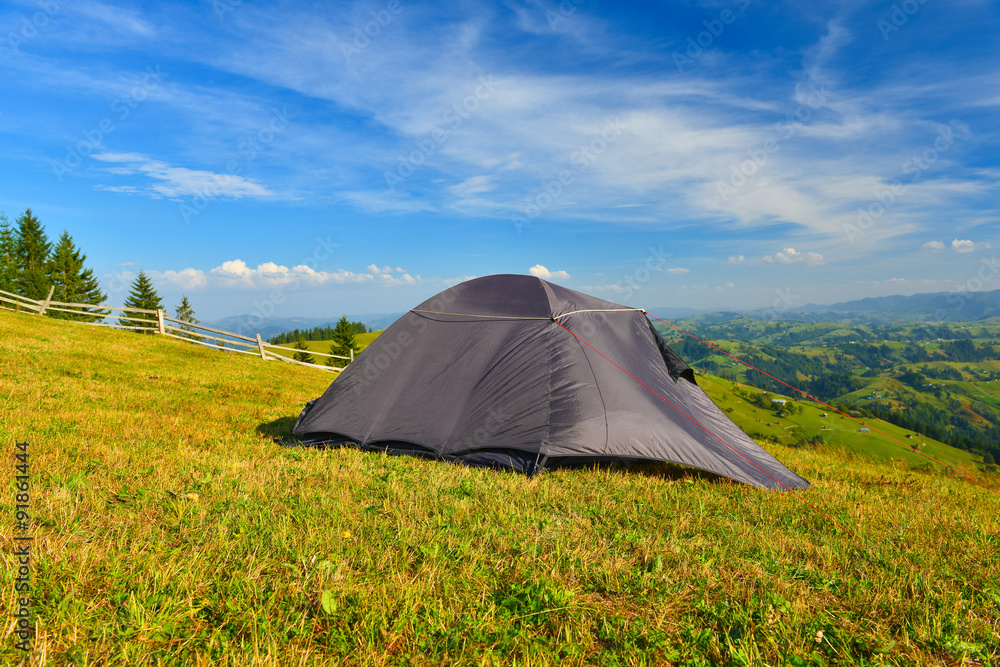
(157,322)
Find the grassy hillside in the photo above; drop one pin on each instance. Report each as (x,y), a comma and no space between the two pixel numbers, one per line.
(362,340)
(171,529)
(838,432)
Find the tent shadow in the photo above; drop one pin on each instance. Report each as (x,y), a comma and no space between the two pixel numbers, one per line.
(279,429)
(671,472)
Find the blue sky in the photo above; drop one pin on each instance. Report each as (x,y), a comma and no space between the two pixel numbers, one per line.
(314,159)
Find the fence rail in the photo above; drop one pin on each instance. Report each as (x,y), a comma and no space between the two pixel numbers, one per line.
(158,322)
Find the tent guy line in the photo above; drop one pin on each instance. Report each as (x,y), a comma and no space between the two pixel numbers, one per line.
(710,432)
(550,319)
(825,404)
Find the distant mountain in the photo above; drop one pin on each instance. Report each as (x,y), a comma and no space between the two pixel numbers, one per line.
(672,313)
(930,307)
(267,327)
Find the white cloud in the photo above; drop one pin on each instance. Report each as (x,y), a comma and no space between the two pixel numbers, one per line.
(933,245)
(966,245)
(730,285)
(793,256)
(676,270)
(236,273)
(176,182)
(472,186)
(736,259)
(541,272)
(118,18)
(185,279)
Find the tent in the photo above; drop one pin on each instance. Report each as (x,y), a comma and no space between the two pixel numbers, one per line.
(515,372)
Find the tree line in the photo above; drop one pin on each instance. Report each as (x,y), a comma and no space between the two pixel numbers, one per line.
(31,265)
(341,335)
(317,333)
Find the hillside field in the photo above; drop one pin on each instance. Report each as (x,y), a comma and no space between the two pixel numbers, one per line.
(170,528)
(362,341)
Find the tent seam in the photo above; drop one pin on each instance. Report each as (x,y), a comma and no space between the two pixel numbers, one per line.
(600,394)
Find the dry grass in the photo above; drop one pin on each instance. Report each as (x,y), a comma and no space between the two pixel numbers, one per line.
(171,529)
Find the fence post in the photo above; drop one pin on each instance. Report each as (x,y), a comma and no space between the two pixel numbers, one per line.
(47,299)
(352,354)
(260,346)
(159,320)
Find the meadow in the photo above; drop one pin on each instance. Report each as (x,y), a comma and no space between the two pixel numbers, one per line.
(170,528)
(361,341)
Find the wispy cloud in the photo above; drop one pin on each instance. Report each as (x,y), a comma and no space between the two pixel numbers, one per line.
(163,180)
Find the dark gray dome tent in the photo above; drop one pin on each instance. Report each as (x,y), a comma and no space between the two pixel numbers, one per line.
(515,372)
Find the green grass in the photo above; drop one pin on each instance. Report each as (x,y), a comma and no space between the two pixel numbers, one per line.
(362,341)
(840,433)
(171,529)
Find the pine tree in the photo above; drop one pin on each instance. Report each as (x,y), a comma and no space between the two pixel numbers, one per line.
(31,252)
(142,295)
(8,261)
(185,312)
(343,342)
(303,356)
(73,283)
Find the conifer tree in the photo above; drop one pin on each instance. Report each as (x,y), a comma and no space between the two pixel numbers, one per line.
(185,313)
(31,252)
(303,356)
(73,283)
(142,295)
(343,342)
(8,261)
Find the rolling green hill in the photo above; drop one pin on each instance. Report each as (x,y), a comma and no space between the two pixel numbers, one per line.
(169,528)
(940,380)
(362,341)
(837,432)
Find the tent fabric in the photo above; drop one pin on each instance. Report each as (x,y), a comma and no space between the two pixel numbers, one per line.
(485,373)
